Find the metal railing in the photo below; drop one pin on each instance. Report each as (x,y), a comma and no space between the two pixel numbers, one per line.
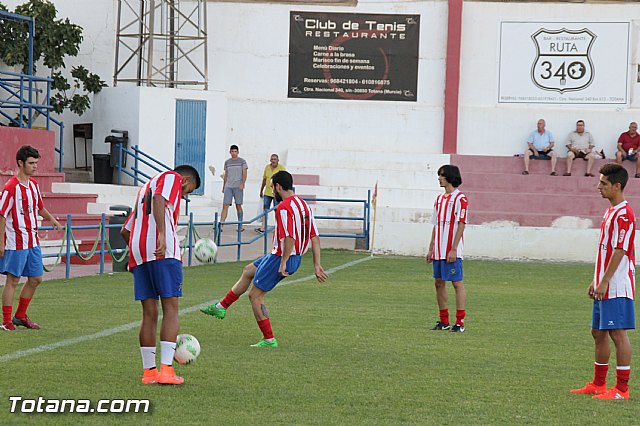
(102,246)
(20,89)
(135,172)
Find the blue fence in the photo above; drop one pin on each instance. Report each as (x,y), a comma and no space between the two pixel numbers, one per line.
(102,246)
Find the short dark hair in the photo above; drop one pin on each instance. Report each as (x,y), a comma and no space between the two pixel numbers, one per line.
(615,173)
(580,121)
(25,152)
(452,174)
(284,179)
(187,170)
(234,147)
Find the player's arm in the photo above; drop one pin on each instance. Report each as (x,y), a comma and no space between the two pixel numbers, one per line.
(286,253)
(614,262)
(452,255)
(429,256)
(157,209)
(321,275)
(3,226)
(44,213)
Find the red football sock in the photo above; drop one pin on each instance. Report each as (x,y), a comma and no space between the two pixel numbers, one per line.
(460,314)
(622,379)
(229,299)
(600,374)
(23,304)
(265,327)
(444,316)
(6,314)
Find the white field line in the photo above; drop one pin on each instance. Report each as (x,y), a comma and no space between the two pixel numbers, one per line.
(125,327)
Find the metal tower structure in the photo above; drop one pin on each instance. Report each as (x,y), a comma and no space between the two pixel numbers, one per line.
(161,43)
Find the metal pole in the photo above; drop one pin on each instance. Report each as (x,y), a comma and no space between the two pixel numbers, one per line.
(152,30)
(119,164)
(103,224)
(367,214)
(190,237)
(266,227)
(31,36)
(61,146)
(136,165)
(68,258)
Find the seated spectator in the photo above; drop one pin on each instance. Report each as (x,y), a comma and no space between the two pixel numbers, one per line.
(540,147)
(580,145)
(628,144)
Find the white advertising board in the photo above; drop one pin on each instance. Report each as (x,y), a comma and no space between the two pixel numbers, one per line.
(564,62)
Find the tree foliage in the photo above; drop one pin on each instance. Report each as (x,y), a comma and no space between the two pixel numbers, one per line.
(55,40)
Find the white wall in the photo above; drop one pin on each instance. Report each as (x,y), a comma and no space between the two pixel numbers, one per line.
(486,127)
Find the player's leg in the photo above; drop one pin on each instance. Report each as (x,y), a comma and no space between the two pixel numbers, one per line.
(441,297)
(602,353)
(34,270)
(7,301)
(461,303)
(266,278)
(623,360)
(219,309)
(167,277)
(147,339)
(26,295)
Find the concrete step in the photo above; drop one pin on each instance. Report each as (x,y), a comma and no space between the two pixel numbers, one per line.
(45,180)
(534,219)
(61,204)
(560,204)
(366,178)
(78,175)
(362,160)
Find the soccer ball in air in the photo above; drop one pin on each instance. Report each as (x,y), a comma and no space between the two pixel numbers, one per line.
(205,250)
(187,349)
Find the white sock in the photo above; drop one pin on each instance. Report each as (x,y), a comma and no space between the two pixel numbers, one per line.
(167,349)
(219,306)
(148,356)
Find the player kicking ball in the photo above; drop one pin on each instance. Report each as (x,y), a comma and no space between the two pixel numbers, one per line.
(295,229)
(613,287)
(445,249)
(20,252)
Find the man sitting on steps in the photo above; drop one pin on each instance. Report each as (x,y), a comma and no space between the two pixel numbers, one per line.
(540,147)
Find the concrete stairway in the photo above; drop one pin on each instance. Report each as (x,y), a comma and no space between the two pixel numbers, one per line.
(498,192)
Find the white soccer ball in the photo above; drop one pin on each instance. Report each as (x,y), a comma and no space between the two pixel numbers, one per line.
(205,250)
(187,349)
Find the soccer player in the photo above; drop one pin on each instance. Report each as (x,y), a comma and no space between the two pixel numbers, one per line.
(20,253)
(155,261)
(295,229)
(613,287)
(445,249)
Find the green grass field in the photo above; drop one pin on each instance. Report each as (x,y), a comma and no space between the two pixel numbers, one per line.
(356,350)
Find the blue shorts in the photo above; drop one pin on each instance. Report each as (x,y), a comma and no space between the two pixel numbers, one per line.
(447,271)
(267,275)
(632,157)
(22,263)
(613,314)
(161,277)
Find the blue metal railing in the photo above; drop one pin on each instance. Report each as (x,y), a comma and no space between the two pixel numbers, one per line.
(20,89)
(140,157)
(68,245)
(365,219)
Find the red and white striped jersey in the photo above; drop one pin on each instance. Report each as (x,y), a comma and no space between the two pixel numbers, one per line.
(142,225)
(20,205)
(448,211)
(617,231)
(294,219)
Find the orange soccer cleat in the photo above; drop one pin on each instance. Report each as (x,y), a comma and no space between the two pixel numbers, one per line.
(168,377)
(150,376)
(613,393)
(590,389)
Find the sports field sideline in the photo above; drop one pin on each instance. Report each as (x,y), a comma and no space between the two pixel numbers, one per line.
(355,350)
